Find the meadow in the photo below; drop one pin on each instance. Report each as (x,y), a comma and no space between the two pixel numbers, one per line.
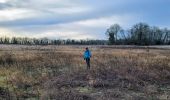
(59,73)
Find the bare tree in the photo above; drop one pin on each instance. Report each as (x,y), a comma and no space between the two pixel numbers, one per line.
(112,33)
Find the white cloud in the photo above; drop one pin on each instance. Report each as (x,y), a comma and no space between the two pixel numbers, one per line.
(9,33)
(64,35)
(105,21)
(91,28)
(3,1)
(14,14)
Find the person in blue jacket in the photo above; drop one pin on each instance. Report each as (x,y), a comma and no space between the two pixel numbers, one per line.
(87,56)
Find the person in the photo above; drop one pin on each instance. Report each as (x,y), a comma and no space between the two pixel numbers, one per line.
(87,56)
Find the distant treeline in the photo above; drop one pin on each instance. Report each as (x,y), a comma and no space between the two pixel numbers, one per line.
(46,41)
(138,34)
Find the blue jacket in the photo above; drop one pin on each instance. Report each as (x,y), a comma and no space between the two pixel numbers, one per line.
(87,54)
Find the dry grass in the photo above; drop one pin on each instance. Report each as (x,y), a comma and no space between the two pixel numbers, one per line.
(59,72)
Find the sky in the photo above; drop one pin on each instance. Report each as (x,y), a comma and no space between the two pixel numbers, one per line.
(78,19)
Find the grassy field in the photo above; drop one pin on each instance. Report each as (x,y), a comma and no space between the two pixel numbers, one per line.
(59,73)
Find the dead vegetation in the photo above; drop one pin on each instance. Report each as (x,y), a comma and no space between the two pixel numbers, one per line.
(60,73)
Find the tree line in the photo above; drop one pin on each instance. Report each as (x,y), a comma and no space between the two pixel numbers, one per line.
(138,34)
(46,41)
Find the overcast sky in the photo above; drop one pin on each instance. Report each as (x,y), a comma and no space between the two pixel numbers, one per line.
(78,19)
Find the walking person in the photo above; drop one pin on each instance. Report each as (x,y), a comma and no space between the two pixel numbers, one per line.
(87,56)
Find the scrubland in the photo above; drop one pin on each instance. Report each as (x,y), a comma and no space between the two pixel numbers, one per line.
(59,73)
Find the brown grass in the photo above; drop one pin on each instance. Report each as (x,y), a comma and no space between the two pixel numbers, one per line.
(59,72)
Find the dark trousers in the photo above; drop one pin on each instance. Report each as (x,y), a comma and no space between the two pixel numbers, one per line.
(88,63)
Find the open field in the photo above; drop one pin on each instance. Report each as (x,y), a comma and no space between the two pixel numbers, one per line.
(59,73)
